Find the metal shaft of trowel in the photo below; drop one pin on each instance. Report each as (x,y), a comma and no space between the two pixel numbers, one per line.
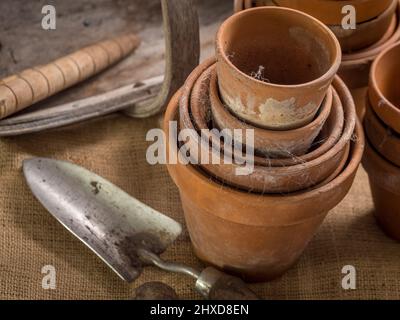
(205,279)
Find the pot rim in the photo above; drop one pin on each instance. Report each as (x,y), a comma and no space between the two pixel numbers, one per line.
(374,87)
(330,140)
(325,77)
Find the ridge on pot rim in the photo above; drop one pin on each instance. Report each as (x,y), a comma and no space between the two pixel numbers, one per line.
(384,84)
(274,65)
(382,138)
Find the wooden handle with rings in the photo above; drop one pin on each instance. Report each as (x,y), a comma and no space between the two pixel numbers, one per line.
(35,84)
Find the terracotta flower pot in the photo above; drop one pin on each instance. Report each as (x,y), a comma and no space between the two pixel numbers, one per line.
(199,110)
(265,179)
(381,137)
(330,11)
(275,65)
(355,67)
(271,143)
(384,180)
(384,93)
(256,236)
(366,33)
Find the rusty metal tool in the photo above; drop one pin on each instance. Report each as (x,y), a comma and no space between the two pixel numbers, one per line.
(125,233)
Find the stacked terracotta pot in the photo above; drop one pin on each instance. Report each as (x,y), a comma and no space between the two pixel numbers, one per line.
(273,77)
(382,127)
(377,27)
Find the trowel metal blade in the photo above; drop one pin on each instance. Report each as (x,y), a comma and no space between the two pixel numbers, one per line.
(100,214)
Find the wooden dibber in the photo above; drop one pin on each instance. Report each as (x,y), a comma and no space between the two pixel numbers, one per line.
(35,84)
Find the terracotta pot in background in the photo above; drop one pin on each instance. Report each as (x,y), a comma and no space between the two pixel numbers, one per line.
(271,143)
(384,84)
(366,33)
(355,67)
(200,110)
(338,170)
(265,179)
(278,77)
(263,235)
(330,11)
(381,137)
(384,180)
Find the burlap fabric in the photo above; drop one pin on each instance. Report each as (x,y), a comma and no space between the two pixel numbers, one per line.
(115,147)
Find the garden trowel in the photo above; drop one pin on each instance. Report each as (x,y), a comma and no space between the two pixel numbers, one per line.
(125,233)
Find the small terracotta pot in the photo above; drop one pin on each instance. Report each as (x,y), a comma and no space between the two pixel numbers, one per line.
(384,179)
(381,137)
(366,33)
(238,5)
(256,236)
(264,179)
(271,143)
(276,78)
(330,11)
(384,93)
(201,114)
(355,67)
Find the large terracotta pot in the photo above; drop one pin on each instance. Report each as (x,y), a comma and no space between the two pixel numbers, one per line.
(256,236)
(383,90)
(264,179)
(384,178)
(276,78)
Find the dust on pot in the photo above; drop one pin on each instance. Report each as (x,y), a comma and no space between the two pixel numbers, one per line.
(381,137)
(275,65)
(384,178)
(383,90)
(263,235)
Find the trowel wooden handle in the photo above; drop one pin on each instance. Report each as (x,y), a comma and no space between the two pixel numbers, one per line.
(32,85)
